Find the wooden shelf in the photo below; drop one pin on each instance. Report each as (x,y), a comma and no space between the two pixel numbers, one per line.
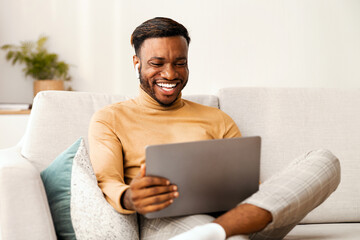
(3,112)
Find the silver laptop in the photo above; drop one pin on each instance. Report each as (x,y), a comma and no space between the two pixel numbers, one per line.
(211,175)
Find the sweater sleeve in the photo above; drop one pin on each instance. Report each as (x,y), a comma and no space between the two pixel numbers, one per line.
(107,158)
(231,130)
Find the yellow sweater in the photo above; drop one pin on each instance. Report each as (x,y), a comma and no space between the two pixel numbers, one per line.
(118,134)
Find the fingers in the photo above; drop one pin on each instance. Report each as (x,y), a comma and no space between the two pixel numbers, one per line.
(145,182)
(153,199)
(154,208)
(149,194)
(158,199)
(153,195)
(153,191)
(155,203)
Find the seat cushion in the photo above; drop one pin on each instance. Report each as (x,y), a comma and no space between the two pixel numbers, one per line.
(350,231)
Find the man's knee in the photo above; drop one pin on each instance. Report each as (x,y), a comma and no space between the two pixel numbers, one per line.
(321,152)
(324,156)
(327,163)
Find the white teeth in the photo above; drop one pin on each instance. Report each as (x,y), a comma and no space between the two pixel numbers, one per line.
(167,89)
(167,85)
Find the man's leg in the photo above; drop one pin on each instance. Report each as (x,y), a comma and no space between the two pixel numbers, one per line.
(290,195)
(165,228)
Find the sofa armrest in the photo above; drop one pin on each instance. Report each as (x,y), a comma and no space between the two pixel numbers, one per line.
(24,211)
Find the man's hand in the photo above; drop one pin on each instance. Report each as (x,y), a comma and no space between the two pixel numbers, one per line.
(149,194)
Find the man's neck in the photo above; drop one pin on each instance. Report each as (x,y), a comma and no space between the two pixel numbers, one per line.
(148,101)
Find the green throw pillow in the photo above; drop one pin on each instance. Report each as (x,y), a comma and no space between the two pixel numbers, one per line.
(57,182)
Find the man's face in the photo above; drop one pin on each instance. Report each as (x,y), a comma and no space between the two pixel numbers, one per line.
(163,67)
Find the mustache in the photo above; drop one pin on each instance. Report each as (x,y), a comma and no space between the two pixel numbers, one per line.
(167,80)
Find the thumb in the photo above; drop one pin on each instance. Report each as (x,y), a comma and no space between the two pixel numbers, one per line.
(142,170)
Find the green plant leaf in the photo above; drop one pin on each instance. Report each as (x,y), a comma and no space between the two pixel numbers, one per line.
(16,57)
(9,55)
(26,47)
(7,46)
(39,63)
(41,42)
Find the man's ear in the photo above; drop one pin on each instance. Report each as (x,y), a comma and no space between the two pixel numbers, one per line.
(136,61)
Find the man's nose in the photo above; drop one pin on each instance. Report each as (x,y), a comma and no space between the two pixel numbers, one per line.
(169,72)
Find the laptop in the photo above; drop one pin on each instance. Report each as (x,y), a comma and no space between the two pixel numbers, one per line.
(211,175)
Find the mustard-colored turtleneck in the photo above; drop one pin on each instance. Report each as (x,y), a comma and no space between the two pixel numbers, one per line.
(119,133)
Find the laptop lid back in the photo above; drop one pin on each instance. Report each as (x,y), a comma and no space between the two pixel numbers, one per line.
(211,175)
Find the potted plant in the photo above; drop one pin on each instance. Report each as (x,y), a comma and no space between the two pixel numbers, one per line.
(48,72)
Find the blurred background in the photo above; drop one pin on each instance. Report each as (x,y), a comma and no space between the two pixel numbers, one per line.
(235,43)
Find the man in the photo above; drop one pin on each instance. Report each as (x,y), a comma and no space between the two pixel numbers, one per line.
(119,133)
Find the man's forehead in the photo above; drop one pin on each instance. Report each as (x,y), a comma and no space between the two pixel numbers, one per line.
(163,45)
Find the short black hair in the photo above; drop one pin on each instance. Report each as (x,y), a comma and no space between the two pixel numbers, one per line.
(156,28)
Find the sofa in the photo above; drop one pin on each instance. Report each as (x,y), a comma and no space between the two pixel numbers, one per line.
(291,121)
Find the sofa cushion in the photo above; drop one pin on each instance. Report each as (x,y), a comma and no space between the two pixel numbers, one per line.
(58,118)
(336,231)
(295,121)
(77,204)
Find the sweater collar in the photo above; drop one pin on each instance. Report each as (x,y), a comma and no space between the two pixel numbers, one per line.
(146,100)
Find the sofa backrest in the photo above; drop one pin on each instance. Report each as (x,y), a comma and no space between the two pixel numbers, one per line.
(290,122)
(59,118)
(294,121)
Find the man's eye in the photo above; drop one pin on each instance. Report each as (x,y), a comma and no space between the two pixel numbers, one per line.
(181,64)
(157,64)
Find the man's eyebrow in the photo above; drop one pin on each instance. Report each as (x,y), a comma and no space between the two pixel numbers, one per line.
(161,58)
(157,58)
(181,58)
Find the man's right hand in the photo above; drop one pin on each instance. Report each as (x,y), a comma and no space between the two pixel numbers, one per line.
(149,194)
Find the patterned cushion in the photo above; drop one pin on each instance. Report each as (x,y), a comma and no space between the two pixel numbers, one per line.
(79,209)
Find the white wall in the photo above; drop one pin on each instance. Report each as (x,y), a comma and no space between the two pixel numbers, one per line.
(12,128)
(272,43)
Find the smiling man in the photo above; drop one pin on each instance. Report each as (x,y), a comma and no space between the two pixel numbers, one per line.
(163,66)
(119,133)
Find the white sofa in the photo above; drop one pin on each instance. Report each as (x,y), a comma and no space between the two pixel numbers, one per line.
(290,122)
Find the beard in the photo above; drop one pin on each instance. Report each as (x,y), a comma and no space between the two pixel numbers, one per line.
(149,89)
